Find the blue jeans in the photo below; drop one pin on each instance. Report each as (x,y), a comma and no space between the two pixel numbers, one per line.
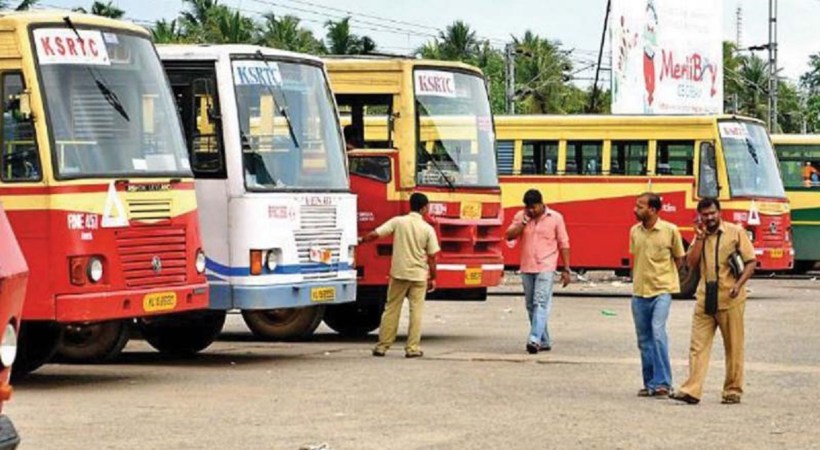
(538,296)
(650,314)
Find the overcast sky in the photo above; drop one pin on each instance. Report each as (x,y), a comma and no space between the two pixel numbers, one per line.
(399,26)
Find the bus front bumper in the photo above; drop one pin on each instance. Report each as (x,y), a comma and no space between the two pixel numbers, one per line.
(225,296)
(465,276)
(9,439)
(774,259)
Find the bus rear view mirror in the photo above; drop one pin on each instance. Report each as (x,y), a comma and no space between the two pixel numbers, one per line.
(707,177)
(25,105)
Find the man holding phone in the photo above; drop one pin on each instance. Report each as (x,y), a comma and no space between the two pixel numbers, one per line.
(721,301)
(543,236)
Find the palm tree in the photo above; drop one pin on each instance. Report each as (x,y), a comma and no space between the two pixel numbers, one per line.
(753,76)
(458,42)
(341,41)
(165,32)
(198,12)
(542,72)
(103,9)
(286,33)
(22,6)
(233,28)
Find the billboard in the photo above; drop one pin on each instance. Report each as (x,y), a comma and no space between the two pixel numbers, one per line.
(667,56)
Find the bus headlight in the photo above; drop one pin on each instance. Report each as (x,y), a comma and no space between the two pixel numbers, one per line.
(199,263)
(8,346)
(272,260)
(95,269)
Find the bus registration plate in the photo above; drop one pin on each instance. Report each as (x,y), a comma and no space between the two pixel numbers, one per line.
(160,301)
(776,253)
(472,277)
(323,294)
(320,255)
(470,210)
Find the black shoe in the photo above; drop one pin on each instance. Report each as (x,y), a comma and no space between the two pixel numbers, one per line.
(417,354)
(683,397)
(545,348)
(378,353)
(532,348)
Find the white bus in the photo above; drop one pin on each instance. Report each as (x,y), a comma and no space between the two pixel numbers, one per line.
(277,216)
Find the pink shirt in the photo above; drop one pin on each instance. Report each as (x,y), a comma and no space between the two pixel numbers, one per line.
(541,240)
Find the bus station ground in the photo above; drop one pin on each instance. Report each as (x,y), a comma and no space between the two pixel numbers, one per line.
(476,387)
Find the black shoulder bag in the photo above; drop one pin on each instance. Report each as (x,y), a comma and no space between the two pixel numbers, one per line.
(712,287)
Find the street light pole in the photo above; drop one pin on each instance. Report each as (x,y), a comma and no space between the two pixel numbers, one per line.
(772,122)
(509,59)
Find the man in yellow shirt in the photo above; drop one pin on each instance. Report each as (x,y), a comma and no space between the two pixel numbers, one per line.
(657,250)
(412,273)
(715,235)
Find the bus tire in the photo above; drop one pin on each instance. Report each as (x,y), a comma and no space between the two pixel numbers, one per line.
(93,343)
(182,334)
(354,319)
(689,279)
(37,345)
(801,267)
(284,324)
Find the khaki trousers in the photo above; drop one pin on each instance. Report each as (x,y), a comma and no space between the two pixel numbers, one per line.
(397,290)
(730,322)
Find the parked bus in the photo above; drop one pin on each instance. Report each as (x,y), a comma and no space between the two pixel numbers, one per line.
(13,281)
(799,157)
(97,186)
(419,126)
(278,218)
(591,168)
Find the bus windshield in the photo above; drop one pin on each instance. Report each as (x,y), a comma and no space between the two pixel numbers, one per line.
(454,130)
(750,160)
(288,127)
(109,108)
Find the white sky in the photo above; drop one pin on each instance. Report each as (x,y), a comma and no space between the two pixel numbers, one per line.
(576,23)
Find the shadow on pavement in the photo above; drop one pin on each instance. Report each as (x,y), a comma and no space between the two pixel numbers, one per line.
(49,380)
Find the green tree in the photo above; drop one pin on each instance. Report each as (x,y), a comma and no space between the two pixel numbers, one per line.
(341,40)
(165,32)
(810,83)
(22,6)
(103,9)
(542,74)
(458,42)
(286,33)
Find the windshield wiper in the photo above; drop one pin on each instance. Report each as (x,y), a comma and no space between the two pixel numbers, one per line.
(109,95)
(752,150)
(283,110)
(441,172)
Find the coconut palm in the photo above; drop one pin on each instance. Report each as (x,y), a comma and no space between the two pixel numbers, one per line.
(286,33)
(103,9)
(458,42)
(341,40)
(22,6)
(165,32)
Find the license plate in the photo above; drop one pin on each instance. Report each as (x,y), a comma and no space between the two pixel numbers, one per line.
(471,210)
(160,301)
(321,255)
(322,294)
(776,253)
(472,277)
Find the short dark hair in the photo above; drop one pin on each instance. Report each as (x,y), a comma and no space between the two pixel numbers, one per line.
(707,202)
(653,200)
(533,197)
(418,201)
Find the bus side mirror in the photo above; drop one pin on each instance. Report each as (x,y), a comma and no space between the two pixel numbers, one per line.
(25,105)
(707,176)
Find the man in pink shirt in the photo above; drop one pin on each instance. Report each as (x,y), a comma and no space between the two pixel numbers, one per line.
(543,236)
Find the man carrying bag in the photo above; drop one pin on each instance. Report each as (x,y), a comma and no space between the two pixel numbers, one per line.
(721,301)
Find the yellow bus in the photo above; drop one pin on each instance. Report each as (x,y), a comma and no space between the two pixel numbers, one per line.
(591,168)
(799,156)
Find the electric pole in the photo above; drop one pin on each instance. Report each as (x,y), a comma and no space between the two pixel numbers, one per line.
(772,66)
(509,60)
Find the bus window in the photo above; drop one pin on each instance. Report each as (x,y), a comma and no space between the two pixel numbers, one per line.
(539,158)
(675,158)
(629,157)
(505,157)
(708,182)
(799,165)
(584,158)
(374,167)
(20,159)
(367,120)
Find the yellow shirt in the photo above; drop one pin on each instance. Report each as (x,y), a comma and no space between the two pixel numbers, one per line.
(413,241)
(733,237)
(654,251)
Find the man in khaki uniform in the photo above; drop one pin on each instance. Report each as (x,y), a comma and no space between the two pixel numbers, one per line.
(714,234)
(657,250)
(412,273)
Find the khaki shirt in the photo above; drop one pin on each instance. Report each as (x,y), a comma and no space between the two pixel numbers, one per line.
(413,241)
(653,269)
(733,237)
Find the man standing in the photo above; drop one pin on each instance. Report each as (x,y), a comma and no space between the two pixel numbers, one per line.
(412,273)
(721,301)
(657,250)
(543,235)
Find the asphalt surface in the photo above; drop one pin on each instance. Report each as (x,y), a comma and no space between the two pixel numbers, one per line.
(476,387)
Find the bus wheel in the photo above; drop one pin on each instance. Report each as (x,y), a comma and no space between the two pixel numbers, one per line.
(354,319)
(801,267)
(93,342)
(283,324)
(38,343)
(183,334)
(689,279)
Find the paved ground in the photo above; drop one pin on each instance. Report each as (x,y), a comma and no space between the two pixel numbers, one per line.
(475,387)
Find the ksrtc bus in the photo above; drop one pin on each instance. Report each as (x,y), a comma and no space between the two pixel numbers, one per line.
(278,218)
(419,126)
(591,168)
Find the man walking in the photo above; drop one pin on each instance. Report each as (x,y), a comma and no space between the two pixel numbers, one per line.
(721,301)
(543,235)
(412,273)
(657,250)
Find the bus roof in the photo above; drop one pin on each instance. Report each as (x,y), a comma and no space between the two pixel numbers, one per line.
(212,51)
(796,139)
(20,19)
(609,119)
(366,63)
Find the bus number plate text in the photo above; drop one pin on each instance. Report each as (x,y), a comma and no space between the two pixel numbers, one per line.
(776,253)
(470,210)
(323,294)
(472,277)
(160,301)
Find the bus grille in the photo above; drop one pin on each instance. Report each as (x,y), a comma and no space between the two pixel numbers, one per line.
(138,246)
(318,230)
(149,210)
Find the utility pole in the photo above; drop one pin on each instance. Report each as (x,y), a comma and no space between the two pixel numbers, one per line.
(509,63)
(739,27)
(594,96)
(772,122)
